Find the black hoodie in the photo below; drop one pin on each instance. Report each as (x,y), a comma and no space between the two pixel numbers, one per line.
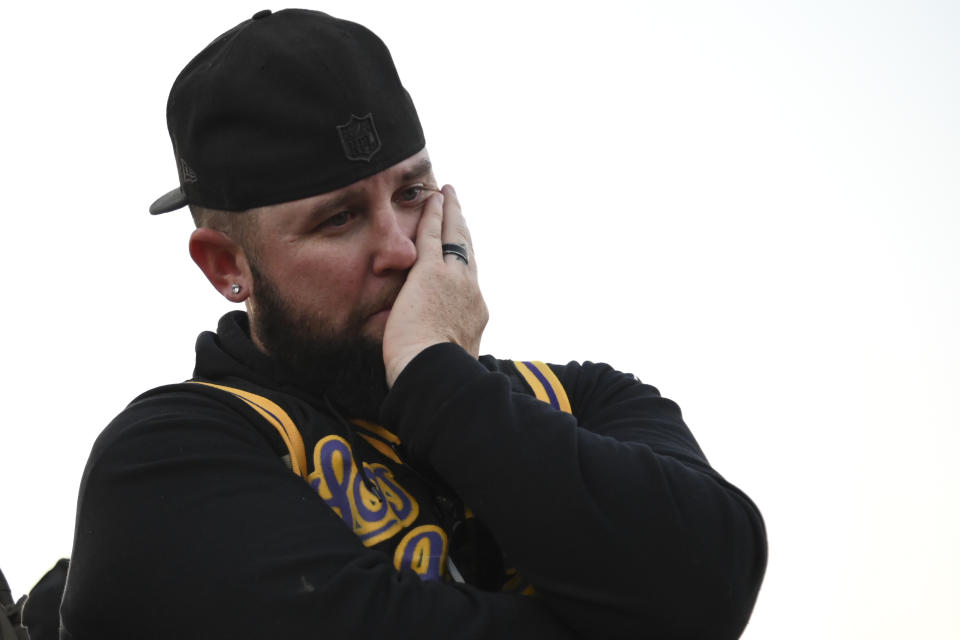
(605,522)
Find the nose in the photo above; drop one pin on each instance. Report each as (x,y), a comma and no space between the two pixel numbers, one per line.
(394,233)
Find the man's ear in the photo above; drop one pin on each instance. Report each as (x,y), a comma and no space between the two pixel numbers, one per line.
(223,261)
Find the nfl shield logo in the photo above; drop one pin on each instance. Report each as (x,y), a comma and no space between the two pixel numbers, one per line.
(359,137)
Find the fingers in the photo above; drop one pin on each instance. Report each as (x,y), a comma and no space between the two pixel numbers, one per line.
(429,229)
(442,223)
(454,229)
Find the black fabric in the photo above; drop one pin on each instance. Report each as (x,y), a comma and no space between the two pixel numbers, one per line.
(190,526)
(10,613)
(284,106)
(41,612)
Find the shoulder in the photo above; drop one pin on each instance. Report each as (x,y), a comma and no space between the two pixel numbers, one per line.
(573,370)
(173,420)
(574,379)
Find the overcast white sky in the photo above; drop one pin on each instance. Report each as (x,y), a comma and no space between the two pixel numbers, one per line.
(753,206)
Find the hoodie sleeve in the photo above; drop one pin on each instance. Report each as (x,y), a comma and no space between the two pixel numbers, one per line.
(189,526)
(612,513)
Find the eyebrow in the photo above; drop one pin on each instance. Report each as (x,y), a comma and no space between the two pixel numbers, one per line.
(336,203)
(422,168)
(419,170)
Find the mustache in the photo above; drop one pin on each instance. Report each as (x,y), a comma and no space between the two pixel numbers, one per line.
(385,299)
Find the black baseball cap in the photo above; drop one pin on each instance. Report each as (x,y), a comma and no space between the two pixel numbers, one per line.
(284,106)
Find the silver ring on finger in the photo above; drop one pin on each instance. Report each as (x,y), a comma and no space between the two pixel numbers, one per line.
(458,250)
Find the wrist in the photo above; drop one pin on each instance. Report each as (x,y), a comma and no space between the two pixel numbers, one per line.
(397,363)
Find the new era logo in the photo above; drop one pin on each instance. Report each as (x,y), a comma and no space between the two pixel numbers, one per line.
(359,137)
(187,175)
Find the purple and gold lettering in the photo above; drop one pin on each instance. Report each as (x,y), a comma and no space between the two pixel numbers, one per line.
(338,481)
(424,550)
(333,461)
(399,500)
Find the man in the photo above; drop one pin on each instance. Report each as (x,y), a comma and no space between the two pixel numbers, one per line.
(343,463)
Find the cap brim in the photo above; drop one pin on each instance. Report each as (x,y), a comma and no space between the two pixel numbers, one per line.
(169,201)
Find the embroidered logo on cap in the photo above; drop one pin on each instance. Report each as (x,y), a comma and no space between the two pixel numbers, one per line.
(359,137)
(187,175)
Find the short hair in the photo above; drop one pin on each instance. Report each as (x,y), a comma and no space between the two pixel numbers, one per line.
(239,225)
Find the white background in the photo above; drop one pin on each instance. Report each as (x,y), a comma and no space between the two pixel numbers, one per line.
(752,205)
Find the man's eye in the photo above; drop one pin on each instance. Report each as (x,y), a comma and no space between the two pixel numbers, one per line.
(414,194)
(336,220)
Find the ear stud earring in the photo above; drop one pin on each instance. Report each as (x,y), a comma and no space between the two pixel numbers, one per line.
(235,288)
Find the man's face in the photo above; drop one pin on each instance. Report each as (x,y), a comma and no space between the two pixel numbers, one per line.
(336,261)
(325,270)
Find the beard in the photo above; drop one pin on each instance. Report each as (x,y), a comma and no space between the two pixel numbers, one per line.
(343,365)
